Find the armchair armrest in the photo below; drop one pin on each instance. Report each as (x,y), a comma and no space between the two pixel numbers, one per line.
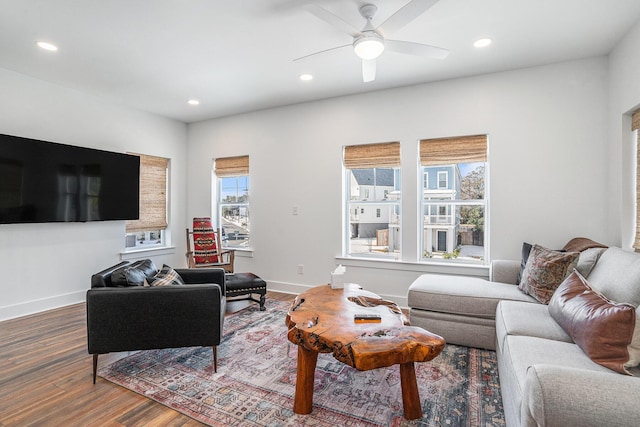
(192,276)
(504,271)
(561,396)
(143,318)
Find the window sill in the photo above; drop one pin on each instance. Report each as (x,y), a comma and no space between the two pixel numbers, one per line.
(141,252)
(244,253)
(479,270)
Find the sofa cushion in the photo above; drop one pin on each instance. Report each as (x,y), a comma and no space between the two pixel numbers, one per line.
(521,352)
(526,319)
(545,270)
(467,296)
(133,274)
(617,275)
(166,276)
(606,331)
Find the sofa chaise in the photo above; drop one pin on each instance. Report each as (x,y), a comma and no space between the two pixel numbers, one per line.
(558,365)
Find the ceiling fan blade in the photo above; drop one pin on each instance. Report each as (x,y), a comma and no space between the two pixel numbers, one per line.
(332,19)
(368,70)
(302,58)
(418,49)
(405,14)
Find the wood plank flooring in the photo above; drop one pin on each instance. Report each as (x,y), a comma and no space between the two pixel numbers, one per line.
(45,377)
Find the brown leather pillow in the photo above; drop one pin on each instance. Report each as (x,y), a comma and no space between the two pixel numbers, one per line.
(604,330)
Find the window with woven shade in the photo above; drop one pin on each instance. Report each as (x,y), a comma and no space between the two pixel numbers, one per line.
(148,228)
(453,198)
(232,179)
(372,200)
(635,127)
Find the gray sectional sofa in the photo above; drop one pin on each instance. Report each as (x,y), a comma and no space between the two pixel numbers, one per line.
(546,379)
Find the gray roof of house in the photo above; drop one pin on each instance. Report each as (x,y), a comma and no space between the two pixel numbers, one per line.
(384,176)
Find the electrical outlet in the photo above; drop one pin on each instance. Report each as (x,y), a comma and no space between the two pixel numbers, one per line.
(300,269)
(294,210)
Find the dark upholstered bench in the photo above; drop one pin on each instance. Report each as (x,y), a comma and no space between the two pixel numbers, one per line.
(248,284)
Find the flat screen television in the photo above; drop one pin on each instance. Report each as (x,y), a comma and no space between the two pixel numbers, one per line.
(49,182)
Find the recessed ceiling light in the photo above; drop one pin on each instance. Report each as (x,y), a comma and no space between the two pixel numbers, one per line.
(193,102)
(47,46)
(482,42)
(306,77)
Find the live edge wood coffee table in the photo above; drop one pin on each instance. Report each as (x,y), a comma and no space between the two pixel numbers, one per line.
(321,320)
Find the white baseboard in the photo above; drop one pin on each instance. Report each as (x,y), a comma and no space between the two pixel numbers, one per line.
(36,306)
(295,288)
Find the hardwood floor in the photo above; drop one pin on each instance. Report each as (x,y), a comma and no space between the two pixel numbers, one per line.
(45,377)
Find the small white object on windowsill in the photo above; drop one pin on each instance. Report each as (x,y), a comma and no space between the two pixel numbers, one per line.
(337,277)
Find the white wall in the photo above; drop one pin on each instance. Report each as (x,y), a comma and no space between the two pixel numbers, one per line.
(548,153)
(624,97)
(50,265)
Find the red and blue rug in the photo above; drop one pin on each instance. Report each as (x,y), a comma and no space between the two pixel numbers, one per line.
(255,382)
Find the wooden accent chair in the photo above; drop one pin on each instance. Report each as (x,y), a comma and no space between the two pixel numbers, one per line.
(207,249)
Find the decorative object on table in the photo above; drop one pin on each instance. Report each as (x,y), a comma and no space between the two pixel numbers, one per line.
(337,277)
(248,284)
(207,247)
(317,323)
(256,381)
(127,317)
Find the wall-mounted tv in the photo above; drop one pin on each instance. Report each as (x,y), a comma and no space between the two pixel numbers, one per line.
(49,182)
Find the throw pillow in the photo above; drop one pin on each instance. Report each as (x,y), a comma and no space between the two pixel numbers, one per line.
(606,331)
(166,276)
(526,250)
(545,270)
(133,274)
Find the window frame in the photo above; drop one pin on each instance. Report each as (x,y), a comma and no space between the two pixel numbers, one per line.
(428,227)
(236,167)
(372,157)
(136,232)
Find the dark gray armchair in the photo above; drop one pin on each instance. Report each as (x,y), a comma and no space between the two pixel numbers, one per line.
(144,318)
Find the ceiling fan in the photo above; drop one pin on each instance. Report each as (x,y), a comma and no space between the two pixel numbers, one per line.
(369,43)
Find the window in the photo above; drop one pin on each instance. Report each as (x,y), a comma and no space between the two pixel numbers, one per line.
(233,201)
(443,179)
(372,180)
(635,126)
(149,229)
(453,215)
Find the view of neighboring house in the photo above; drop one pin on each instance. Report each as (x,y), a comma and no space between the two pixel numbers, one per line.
(440,225)
(374,211)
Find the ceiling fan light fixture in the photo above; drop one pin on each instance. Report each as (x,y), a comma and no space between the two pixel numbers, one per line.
(368,47)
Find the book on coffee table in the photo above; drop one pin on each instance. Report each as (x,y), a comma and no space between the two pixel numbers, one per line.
(367,318)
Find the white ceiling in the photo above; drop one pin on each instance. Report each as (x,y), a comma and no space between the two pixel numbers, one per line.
(237,55)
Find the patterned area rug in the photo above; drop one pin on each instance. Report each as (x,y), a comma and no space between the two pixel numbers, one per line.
(256,376)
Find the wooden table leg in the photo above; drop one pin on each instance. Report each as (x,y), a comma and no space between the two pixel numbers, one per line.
(410,394)
(303,401)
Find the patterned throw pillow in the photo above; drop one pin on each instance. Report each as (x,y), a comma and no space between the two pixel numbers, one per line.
(544,272)
(608,332)
(166,276)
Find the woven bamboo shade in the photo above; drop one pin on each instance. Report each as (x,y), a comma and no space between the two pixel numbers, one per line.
(386,154)
(232,166)
(458,149)
(635,120)
(153,195)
